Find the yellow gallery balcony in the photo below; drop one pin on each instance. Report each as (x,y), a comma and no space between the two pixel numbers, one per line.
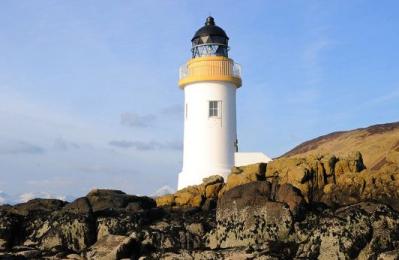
(210,68)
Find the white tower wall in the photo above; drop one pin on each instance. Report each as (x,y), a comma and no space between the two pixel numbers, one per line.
(209,142)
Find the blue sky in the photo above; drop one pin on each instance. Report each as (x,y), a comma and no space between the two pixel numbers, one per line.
(89,96)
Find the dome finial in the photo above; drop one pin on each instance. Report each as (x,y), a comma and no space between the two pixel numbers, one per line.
(210,21)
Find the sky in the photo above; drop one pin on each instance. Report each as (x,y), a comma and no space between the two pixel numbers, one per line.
(89,96)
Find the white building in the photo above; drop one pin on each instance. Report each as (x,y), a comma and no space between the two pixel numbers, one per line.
(210,80)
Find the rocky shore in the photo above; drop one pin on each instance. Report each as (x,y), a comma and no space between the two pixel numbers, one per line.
(315,207)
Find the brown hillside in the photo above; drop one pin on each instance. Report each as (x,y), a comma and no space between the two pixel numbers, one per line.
(379,145)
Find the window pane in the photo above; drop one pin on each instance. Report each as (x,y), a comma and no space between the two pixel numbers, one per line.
(213,108)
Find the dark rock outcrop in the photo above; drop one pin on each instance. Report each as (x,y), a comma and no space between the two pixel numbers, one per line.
(308,208)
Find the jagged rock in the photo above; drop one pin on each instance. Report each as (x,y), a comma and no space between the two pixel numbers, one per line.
(115,247)
(120,224)
(35,205)
(196,229)
(353,163)
(101,199)
(311,174)
(228,254)
(29,253)
(66,232)
(350,232)
(390,255)
(381,186)
(166,200)
(256,220)
(79,206)
(74,257)
(8,229)
(194,196)
(292,196)
(209,204)
(191,197)
(245,216)
(245,174)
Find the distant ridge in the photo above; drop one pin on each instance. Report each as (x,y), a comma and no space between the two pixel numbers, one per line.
(379,144)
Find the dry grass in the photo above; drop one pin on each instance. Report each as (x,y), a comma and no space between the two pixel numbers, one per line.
(378,144)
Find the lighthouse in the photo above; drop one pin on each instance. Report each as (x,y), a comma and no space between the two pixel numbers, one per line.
(209,80)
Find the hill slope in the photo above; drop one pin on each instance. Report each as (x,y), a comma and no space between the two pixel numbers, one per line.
(379,145)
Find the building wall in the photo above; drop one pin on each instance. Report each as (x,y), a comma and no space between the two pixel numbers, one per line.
(242,159)
(208,141)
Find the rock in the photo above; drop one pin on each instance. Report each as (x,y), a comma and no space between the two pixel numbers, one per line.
(385,226)
(353,163)
(29,253)
(292,196)
(74,233)
(35,205)
(120,224)
(228,254)
(212,191)
(209,204)
(74,257)
(194,196)
(348,233)
(9,224)
(79,206)
(245,174)
(214,179)
(196,229)
(245,216)
(114,247)
(311,174)
(353,188)
(390,255)
(166,200)
(189,198)
(101,200)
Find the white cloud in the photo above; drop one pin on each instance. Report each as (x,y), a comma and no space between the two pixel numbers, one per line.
(24,197)
(147,146)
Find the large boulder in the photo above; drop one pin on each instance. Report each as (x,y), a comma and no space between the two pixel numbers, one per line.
(245,174)
(37,205)
(286,193)
(59,232)
(361,231)
(79,206)
(246,216)
(311,174)
(113,247)
(108,200)
(378,186)
(195,196)
(9,224)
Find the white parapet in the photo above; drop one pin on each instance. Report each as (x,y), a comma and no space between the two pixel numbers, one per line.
(242,159)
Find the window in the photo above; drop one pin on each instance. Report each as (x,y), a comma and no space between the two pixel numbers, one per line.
(214,107)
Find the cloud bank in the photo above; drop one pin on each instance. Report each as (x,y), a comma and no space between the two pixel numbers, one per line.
(146,146)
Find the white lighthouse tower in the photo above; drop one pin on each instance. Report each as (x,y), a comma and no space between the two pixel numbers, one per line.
(209,80)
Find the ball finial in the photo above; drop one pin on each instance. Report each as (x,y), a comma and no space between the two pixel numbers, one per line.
(210,21)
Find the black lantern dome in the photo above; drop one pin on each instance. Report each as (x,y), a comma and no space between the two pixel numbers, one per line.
(210,40)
